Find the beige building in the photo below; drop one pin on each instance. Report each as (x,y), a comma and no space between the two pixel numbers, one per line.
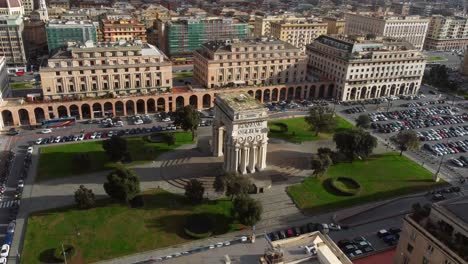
(149,15)
(109,68)
(115,30)
(364,69)
(410,28)
(447,33)
(250,62)
(335,25)
(262,24)
(438,235)
(298,33)
(11,42)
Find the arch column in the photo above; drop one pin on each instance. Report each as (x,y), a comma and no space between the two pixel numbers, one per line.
(16,119)
(199,102)
(252,158)
(32,118)
(80,112)
(261,164)
(244,159)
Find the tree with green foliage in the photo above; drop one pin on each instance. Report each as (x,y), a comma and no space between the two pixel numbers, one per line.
(232,184)
(115,147)
(247,210)
(355,143)
(188,118)
(363,121)
(321,119)
(407,139)
(169,138)
(438,76)
(194,191)
(84,197)
(122,184)
(320,164)
(220,183)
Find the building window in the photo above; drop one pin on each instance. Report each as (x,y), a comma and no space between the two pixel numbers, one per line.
(406,260)
(409,248)
(430,249)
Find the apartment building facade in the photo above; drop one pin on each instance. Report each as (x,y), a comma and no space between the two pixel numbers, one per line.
(447,33)
(334,25)
(61,32)
(435,236)
(264,61)
(262,24)
(128,30)
(298,33)
(366,68)
(12,45)
(4,82)
(92,70)
(410,28)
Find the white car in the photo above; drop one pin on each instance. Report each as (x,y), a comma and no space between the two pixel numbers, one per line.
(93,135)
(219,244)
(21,183)
(30,150)
(227,243)
(5,250)
(212,246)
(3,260)
(81,137)
(57,139)
(38,141)
(46,131)
(334,226)
(243,239)
(167,119)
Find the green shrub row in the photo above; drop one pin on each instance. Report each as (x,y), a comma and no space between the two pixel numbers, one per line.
(345,186)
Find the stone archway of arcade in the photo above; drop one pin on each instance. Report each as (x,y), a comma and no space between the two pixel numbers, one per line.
(378,91)
(36,113)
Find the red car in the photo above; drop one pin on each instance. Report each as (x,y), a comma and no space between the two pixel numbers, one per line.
(87,136)
(289,233)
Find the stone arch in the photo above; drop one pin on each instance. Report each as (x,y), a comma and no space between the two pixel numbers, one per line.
(108,109)
(274,95)
(140,106)
(180,102)
(86,111)
(206,101)
(321,91)
(39,114)
(373,92)
(62,111)
(282,94)
(97,110)
(298,94)
(266,95)
(352,94)
(363,94)
(151,106)
(7,118)
(331,87)
(161,105)
(23,117)
(251,93)
(258,95)
(290,93)
(411,88)
(193,101)
(119,108)
(312,91)
(392,89)
(402,89)
(74,111)
(383,91)
(130,106)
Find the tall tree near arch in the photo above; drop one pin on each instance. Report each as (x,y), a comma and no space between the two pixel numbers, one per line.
(321,119)
(188,118)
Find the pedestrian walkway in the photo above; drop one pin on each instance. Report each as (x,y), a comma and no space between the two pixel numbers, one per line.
(7,204)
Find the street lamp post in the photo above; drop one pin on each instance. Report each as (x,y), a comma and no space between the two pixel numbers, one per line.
(436,175)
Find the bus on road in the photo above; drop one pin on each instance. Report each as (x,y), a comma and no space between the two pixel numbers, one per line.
(59,122)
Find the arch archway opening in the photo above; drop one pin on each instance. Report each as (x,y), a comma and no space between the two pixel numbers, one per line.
(97,110)
(62,111)
(74,111)
(86,111)
(24,117)
(7,118)
(39,114)
(206,101)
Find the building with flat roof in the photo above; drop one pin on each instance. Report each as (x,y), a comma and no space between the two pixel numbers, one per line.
(298,33)
(335,25)
(11,43)
(61,32)
(262,24)
(4,82)
(435,234)
(249,62)
(314,248)
(447,33)
(179,37)
(410,28)
(115,30)
(90,70)
(364,68)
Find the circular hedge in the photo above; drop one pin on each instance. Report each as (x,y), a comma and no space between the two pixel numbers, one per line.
(198,226)
(345,186)
(69,252)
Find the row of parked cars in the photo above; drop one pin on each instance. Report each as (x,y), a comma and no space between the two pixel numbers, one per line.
(355,110)
(445,148)
(355,247)
(423,103)
(439,134)
(297,231)
(462,161)
(416,123)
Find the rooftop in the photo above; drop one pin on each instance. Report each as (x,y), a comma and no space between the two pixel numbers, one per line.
(219,46)
(240,101)
(360,43)
(457,206)
(10,3)
(66,22)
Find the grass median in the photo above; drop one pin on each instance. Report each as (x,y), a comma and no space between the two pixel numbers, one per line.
(297,130)
(61,161)
(111,229)
(380,177)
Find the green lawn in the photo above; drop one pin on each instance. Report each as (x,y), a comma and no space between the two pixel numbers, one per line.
(21,85)
(182,75)
(435,58)
(60,161)
(298,130)
(111,230)
(381,177)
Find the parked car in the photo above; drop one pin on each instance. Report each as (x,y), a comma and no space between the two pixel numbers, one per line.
(382,233)
(21,183)
(334,226)
(46,131)
(5,250)
(38,141)
(30,150)
(438,197)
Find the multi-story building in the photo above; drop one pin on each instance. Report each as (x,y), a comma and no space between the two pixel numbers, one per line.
(107,68)
(28,6)
(11,43)
(61,32)
(447,33)
(179,37)
(298,33)
(4,87)
(410,28)
(438,234)
(401,8)
(335,25)
(115,30)
(65,4)
(35,38)
(249,62)
(262,24)
(11,8)
(421,9)
(150,14)
(366,68)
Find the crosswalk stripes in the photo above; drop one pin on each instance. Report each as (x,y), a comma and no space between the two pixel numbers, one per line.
(6,204)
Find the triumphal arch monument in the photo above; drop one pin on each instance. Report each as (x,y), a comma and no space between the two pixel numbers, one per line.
(240,132)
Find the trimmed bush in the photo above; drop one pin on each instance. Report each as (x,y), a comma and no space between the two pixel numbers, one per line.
(282,127)
(345,186)
(199,226)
